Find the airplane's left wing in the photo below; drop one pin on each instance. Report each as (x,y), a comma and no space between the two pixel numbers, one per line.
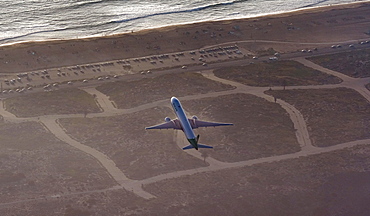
(173,124)
(195,123)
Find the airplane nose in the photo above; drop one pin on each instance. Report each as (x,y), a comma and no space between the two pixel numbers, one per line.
(173,99)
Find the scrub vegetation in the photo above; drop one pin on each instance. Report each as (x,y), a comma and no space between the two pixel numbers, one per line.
(355,63)
(63,101)
(125,94)
(276,73)
(333,115)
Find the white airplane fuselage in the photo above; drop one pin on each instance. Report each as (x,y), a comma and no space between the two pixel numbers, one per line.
(185,124)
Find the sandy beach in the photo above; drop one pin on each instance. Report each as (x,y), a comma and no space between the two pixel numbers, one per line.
(305,28)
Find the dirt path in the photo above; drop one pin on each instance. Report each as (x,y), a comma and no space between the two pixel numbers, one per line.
(357,84)
(299,123)
(135,186)
(181,142)
(105,161)
(102,100)
(253,162)
(296,117)
(5,114)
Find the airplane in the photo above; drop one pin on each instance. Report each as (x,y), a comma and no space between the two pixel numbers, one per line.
(186,125)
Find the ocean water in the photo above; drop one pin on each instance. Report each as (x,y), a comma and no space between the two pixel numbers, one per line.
(35,20)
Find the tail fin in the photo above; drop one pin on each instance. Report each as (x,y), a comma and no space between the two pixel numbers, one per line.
(202,146)
(194,144)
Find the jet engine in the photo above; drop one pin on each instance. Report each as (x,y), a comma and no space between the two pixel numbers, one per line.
(195,117)
(167,119)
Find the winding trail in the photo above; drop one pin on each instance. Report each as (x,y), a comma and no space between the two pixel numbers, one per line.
(105,161)
(357,84)
(221,166)
(181,141)
(5,114)
(108,109)
(102,100)
(299,123)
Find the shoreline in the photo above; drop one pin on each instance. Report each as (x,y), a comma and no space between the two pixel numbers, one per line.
(258,16)
(309,25)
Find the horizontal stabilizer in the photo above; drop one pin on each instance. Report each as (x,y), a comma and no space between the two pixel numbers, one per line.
(188,147)
(204,146)
(199,146)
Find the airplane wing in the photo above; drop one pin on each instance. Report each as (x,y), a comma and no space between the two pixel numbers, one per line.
(195,123)
(173,124)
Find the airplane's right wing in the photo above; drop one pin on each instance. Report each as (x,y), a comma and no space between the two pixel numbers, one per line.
(173,124)
(195,123)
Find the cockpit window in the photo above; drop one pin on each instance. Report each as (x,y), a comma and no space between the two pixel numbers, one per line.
(174,106)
